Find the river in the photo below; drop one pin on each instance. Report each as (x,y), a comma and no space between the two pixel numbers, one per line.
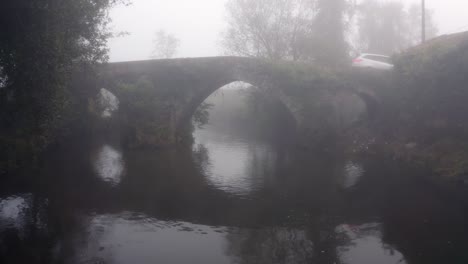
(226,199)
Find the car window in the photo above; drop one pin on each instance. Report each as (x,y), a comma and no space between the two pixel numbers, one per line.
(379,58)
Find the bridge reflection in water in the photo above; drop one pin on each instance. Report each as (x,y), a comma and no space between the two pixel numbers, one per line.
(226,200)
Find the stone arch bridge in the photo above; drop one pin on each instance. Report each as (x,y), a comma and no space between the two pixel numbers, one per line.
(159,97)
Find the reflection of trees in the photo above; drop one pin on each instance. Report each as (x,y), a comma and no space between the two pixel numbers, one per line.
(44,233)
(270,245)
(201,158)
(419,220)
(301,228)
(322,233)
(260,165)
(51,226)
(201,116)
(18,237)
(355,238)
(427,228)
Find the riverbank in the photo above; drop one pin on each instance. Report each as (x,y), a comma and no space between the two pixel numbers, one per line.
(441,165)
(422,121)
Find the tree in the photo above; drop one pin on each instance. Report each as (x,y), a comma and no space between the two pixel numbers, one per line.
(382,26)
(201,117)
(273,29)
(387,27)
(298,30)
(42,42)
(330,28)
(414,23)
(165,45)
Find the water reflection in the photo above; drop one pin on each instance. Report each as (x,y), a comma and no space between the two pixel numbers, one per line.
(233,164)
(227,200)
(136,238)
(12,211)
(168,211)
(108,102)
(364,245)
(109,165)
(271,245)
(24,229)
(11,207)
(352,173)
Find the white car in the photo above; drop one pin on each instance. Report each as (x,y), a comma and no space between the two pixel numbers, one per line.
(373,61)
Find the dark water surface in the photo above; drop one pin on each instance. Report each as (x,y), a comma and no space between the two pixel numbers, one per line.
(226,200)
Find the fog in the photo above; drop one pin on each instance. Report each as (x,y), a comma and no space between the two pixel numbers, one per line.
(233,131)
(198,25)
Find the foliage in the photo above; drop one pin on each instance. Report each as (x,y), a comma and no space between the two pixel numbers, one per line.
(321,31)
(165,45)
(422,117)
(431,88)
(302,78)
(41,43)
(202,115)
(279,29)
(149,114)
(275,29)
(145,113)
(330,29)
(298,30)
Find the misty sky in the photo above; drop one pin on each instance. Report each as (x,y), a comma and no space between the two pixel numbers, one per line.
(198,25)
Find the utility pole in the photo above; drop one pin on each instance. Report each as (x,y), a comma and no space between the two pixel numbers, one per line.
(423,22)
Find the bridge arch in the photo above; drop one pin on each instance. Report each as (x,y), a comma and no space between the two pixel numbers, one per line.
(186,113)
(181,85)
